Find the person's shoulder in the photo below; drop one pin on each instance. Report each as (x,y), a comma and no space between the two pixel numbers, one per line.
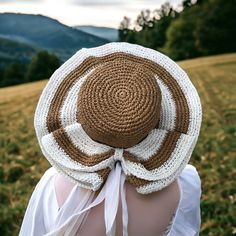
(188,218)
(46,178)
(50,171)
(191,176)
(190,186)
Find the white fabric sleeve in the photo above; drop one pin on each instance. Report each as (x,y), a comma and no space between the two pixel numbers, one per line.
(187,220)
(33,223)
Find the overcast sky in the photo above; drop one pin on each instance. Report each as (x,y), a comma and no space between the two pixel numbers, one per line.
(84,12)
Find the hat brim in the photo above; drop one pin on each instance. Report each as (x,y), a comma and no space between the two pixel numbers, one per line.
(153,163)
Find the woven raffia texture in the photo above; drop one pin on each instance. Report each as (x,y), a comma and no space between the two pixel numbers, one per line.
(119,102)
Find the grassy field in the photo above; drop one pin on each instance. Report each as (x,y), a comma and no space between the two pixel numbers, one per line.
(22,164)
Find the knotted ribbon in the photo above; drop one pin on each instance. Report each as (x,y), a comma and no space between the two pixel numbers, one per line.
(113,187)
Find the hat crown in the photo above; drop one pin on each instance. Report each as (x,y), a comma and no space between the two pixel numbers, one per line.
(119,103)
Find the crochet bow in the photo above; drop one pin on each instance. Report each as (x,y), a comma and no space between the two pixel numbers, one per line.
(148,166)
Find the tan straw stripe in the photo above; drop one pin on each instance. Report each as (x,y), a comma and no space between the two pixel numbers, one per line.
(104,173)
(161,156)
(137,182)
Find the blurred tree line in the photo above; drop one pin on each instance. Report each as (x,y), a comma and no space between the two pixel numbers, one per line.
(41,67)
(200,28)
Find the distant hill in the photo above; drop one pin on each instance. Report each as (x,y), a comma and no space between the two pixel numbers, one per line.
(110,34)
(42,32)
(11,51)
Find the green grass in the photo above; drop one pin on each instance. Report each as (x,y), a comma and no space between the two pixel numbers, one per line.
(22,163)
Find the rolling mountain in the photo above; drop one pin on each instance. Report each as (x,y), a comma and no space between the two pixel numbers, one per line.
(42,32)
(110,34)
(11,51)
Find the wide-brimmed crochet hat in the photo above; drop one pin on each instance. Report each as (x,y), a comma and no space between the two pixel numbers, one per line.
(124,103)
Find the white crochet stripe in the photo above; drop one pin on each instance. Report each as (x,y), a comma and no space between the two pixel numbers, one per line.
(73,174)
(171,165)
(40,118)
(168,107)
(83,142)
(69,107)
(85,179)
(149,146)
(194,104)
(58,155)
(160,184)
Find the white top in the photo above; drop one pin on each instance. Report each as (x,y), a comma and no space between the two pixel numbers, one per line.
(43,216)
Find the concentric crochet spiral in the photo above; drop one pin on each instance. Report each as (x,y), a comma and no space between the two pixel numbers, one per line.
(119,102)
